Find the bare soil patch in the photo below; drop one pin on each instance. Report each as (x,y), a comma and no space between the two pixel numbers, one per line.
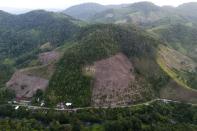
(114,82)
(43,71)
(26,85)
(26,82)
(48,57)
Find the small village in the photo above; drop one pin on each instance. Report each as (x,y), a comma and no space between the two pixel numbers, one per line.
(41,103)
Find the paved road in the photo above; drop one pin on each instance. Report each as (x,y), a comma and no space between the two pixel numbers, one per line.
(105,107)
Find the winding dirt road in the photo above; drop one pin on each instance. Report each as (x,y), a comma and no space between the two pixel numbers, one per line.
(104,107)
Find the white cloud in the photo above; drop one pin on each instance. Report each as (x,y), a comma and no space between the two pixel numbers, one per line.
(61,4)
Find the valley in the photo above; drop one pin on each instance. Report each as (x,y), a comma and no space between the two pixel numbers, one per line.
(100,67)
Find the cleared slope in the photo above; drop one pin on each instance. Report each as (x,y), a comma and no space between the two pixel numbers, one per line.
(25,82)
(179,67)
(115,83)
(25,85)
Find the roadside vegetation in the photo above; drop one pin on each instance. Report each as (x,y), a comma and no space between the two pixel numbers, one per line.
(157,116)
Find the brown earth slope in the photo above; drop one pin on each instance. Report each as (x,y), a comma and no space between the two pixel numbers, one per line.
(114,82)
(26,82)
(26,85)
(47,57)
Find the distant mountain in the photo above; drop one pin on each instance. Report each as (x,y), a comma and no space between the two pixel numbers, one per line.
(15,10)
(85,11)
(144,6)
(138,13)
(117,6)
(169,8)
(192,6)
(188,10)
(141,13)
(145,13)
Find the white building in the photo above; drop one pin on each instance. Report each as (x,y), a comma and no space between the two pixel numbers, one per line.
(68,104)
(16,108)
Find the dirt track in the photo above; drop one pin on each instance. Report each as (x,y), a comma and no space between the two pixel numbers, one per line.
(100,107)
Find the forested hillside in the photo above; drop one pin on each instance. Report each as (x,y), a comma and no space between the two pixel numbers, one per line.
(174,26)
(180,37)
(23,37)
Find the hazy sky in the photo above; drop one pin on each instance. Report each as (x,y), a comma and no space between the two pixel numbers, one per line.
(62,4)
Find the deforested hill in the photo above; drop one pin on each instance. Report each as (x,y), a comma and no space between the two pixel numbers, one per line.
(104,67)
(99,64)
(23,37)
(110,65)
(23,34)
(183,61)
